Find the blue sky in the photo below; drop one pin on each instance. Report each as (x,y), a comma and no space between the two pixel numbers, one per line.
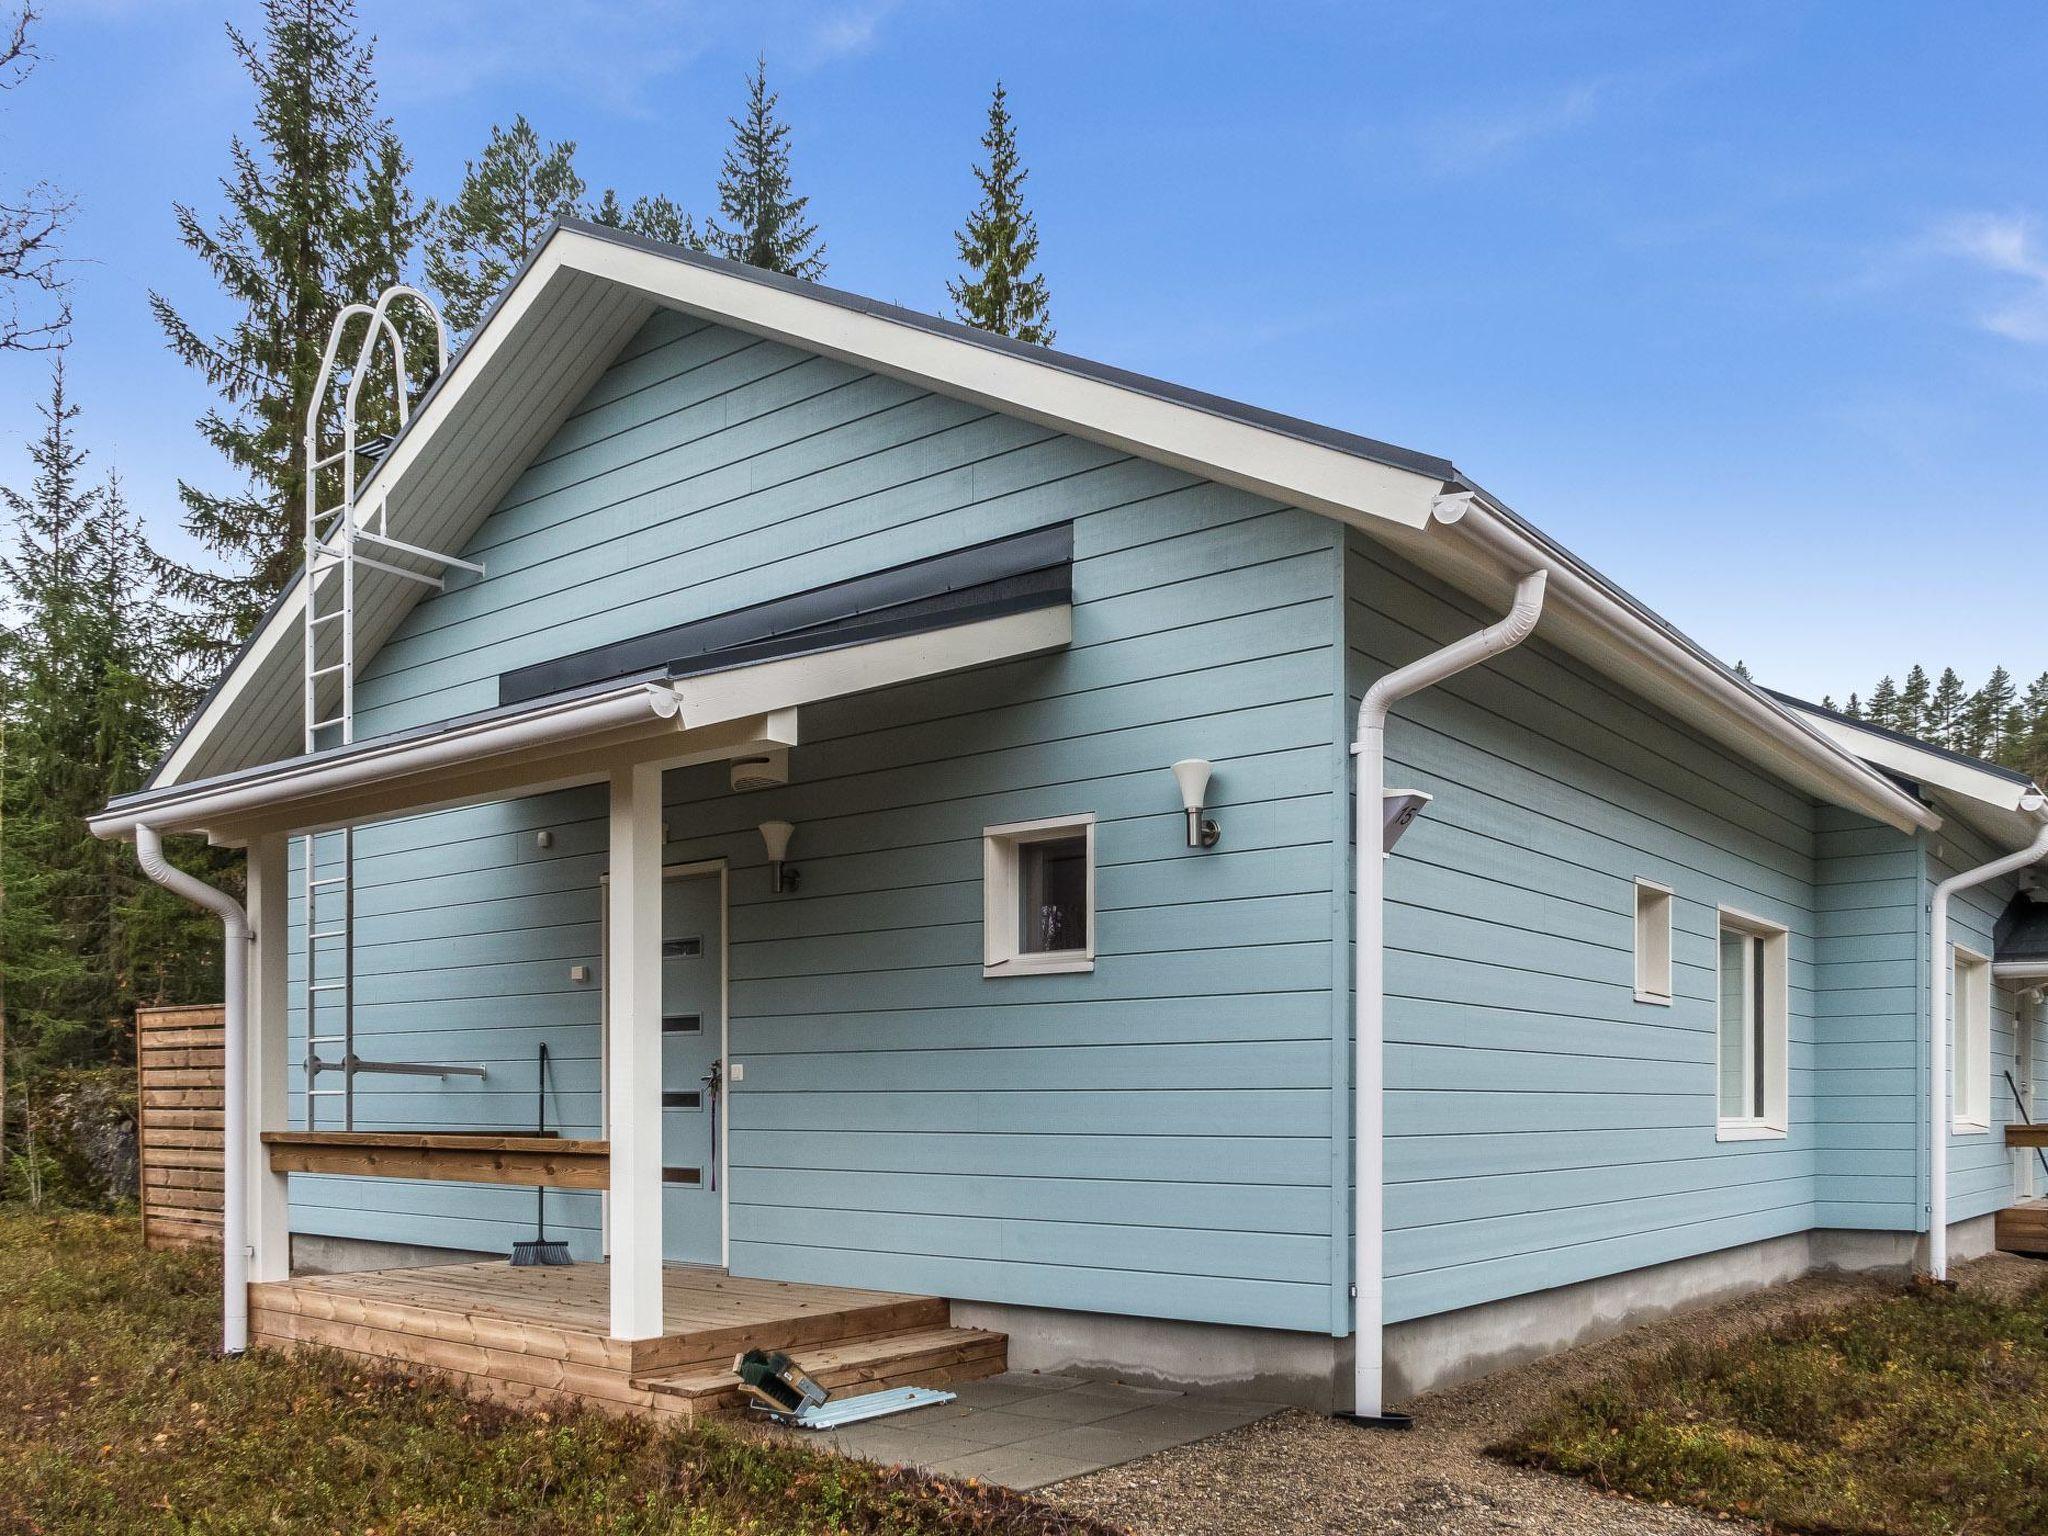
(1746,303)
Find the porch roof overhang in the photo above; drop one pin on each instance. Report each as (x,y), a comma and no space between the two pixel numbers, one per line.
(571,739)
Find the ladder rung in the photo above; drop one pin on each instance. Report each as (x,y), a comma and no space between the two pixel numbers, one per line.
(329,880)
(325,618)
(339,666)
(329,933)
(328,986)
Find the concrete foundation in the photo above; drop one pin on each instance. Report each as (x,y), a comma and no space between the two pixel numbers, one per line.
(313,1254)
(1427,1353)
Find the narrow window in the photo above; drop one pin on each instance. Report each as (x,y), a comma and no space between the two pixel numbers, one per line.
(1750,1029)
(1653,942)
(1970,1043)
(1039,897)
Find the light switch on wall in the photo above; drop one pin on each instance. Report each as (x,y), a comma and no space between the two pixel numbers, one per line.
(579,973)
(739,1071)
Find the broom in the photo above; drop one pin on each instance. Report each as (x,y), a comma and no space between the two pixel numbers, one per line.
(540,1248)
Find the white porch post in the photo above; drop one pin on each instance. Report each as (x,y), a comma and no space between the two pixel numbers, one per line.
(633,1085)
(269,1234)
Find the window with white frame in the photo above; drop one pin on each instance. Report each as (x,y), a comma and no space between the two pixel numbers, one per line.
(1751,1023)
(1653,942)
(1038,897)
(1970,1042)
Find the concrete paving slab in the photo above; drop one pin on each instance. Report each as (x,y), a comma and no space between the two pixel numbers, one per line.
(1027,1431)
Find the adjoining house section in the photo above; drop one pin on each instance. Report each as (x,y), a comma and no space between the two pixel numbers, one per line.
(905,779)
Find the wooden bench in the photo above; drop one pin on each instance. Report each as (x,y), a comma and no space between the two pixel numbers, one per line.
(469,1157)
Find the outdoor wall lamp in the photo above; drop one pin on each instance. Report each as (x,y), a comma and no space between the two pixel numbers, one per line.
(775,837)
(1192,774)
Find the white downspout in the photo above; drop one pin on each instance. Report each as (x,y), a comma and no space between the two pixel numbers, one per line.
(1939,1110)
(1368,1193)
(234,1243)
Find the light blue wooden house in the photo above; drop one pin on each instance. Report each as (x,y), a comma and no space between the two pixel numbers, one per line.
(906,779)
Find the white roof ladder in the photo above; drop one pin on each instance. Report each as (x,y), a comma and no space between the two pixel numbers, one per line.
(337,533)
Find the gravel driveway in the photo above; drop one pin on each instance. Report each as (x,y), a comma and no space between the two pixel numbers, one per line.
(1299,1474)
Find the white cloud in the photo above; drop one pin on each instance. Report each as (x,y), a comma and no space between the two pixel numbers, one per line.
(2009,247)
(1476,141)
(615,53)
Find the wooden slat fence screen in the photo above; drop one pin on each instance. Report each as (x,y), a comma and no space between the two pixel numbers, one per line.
(180,1056)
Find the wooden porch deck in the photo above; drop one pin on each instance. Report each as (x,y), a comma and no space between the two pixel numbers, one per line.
(532,1335)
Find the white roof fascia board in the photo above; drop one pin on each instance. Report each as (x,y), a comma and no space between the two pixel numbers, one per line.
(1237,453)
(1934,769)
(620,720)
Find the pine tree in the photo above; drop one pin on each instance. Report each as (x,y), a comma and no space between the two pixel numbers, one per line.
(1827,702)
(1946,707)
(657,217)
(1883,708)
(763,219)
(318,215)
(1985,717)
(999,292)
(1913,698)
(1741,670)
(2029,751)
(1854,708)
(512,195)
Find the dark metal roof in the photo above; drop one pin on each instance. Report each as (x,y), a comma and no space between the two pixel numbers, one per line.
(985,581)
(2013,775)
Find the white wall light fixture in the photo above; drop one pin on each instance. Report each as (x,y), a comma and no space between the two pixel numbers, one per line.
(1399,808)
(775,837)
(1192,774)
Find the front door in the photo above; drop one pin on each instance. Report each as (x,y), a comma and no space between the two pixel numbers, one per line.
(692,1029)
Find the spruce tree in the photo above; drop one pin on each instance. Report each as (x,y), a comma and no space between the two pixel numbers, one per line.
(763,219)
(999,291)
(2029,751)
(1854,708)
(1946,707)
(512,195)
(1741,670)
(318,215)
(83,721)
(1913,700)
(657,217)
(1883,708)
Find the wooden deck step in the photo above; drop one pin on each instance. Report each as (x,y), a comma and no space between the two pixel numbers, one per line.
(923,1357)
(2023,1228)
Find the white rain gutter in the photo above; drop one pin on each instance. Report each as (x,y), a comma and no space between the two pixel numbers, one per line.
(1939,1112)
(1368,1077)
(234,1244)
(639,704)
(1500,536)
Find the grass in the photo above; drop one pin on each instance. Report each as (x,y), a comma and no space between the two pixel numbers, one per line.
(1916,1412)
(117,1416)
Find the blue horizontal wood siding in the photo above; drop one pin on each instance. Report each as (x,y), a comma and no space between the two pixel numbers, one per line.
(466,932)
(1151,1138)
(1870,1023)
(1544,1127)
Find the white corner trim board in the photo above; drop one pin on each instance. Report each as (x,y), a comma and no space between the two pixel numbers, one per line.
(1368,1190)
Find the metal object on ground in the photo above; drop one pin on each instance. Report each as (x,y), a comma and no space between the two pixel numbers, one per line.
(856,1410)
(781,1391)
